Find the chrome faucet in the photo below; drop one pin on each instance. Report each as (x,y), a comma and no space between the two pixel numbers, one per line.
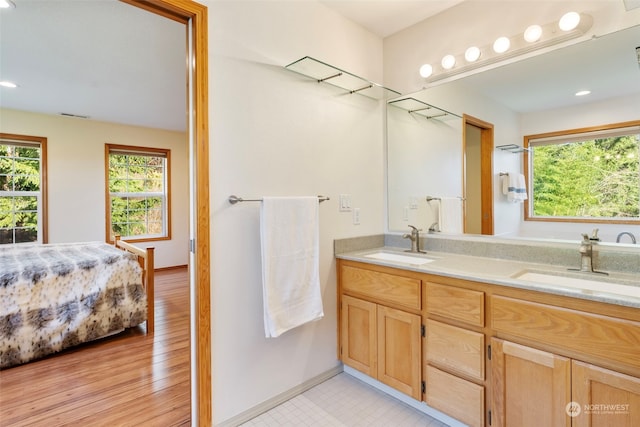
(633,238)
(586,256)
(415,240)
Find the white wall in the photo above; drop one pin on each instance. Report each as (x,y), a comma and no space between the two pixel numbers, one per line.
(274,132)
(76,176)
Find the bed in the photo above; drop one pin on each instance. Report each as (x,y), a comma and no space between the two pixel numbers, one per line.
(56,296)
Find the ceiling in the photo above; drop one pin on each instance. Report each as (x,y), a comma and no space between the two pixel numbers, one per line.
(113,62)
(386,17)
(117,63)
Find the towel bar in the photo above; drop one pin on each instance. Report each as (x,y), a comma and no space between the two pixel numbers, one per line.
(235,199)
(429,198)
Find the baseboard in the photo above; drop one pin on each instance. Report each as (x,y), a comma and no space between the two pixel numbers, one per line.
(251,413)
(420,406)
(174,267)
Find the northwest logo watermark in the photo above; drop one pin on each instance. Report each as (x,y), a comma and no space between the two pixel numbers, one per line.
(574,409)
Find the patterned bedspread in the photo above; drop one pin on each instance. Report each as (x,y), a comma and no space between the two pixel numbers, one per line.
(56,296)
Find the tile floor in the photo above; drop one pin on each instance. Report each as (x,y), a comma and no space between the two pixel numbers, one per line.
(343,401)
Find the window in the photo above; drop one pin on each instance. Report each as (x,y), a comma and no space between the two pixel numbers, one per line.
(590,175)
(23,195)
(138,202)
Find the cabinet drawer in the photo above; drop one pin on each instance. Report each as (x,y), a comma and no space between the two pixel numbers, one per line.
(456,303)
(456,349)
(386,288)
(456,397)
(596,335)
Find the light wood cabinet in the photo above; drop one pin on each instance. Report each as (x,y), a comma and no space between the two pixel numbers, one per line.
(399,352)
(530,388)
(378,336)
(358,348)
(604,398)
(554,360)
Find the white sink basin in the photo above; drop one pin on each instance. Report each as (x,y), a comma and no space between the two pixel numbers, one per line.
(587,285)
(406,259)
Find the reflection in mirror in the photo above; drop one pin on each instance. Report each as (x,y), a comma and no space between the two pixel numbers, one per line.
(426,148)
(530,96)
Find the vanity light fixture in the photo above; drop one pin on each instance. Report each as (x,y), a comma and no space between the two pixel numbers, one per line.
(533,33)
(569,21)
(535,37)
(7,4)
(583,92)
(448,62)
(472,54)
(426,70)
(501,45)
(8,84)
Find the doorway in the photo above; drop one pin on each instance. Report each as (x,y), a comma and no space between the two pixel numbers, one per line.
(477,179)
(194,16)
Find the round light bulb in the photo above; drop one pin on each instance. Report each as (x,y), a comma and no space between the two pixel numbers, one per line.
(448,62)
(472,54)
(533,33)
(501,45)
(569,21)
(426,70)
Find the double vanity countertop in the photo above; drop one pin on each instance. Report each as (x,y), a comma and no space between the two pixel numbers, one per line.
(620,288)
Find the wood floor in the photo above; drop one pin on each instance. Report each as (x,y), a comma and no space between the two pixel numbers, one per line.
(127,380)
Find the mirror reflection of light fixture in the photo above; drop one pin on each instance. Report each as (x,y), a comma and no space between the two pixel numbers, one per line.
(448,62)
(501,44)
(583,92)
(426,70)
(8,84)
(472,54)
(533,33)
(569,21)
(6,4)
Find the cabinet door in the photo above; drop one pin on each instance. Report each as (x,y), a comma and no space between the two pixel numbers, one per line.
(358,334)
(399,352)
(531,388)
(604,398)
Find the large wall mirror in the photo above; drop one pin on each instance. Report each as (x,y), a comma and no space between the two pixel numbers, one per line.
(425,156)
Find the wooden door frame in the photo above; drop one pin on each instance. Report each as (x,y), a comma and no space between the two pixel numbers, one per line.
(195,14)
(486,166)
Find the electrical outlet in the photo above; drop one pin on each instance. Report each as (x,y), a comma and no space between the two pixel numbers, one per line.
(356,216)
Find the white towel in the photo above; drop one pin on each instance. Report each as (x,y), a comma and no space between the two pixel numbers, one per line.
(514,187)
(289,229)
(450,215)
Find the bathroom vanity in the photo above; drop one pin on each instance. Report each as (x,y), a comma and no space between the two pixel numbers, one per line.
(494,342)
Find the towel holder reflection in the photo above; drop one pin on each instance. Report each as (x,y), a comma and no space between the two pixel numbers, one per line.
(430,198)
(235,199)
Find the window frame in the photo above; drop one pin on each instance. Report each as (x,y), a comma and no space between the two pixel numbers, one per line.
(43,205)
(528,171)
(147,151)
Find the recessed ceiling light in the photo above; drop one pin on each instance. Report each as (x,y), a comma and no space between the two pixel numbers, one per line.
(501,45)
(569,21)
(8,84)
(533,33)
(583,93)
(426,70)
(448,62)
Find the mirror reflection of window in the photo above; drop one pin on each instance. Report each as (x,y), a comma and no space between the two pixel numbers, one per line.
(588,174)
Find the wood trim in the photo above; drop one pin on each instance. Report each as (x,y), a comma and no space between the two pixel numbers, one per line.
(486,166)
(186,11)
(44,194)
(166,152)
(527,206)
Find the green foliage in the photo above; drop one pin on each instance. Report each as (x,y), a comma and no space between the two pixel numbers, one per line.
(135,183)
(19,171)
(598,178)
